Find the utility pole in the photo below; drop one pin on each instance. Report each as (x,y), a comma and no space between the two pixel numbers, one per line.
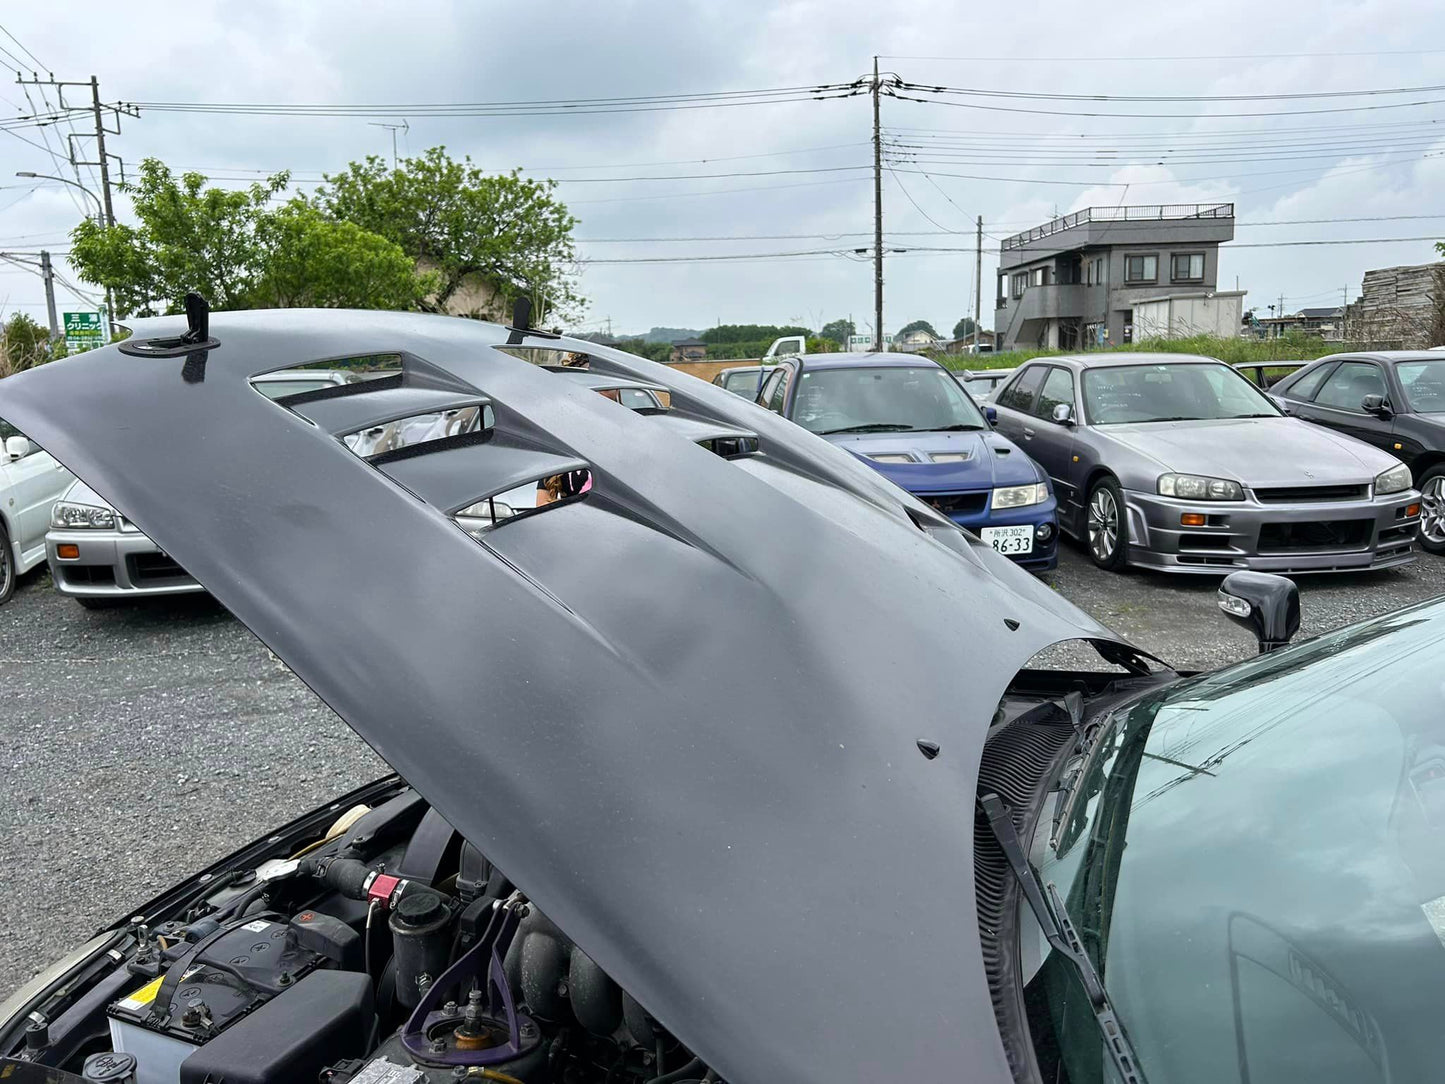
(100,151)
(98,110)
(977,284)
(877,217)
(49,276)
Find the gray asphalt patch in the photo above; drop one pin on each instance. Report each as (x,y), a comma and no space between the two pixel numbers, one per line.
(139,745)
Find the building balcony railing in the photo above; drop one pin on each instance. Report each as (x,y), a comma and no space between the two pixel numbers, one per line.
(1157,212)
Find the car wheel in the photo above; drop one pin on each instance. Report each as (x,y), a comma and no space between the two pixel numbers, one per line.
(1432,510)
(1107,533)
(7,567)
(93,603)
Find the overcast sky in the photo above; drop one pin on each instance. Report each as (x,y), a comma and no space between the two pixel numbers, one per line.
(1364,163)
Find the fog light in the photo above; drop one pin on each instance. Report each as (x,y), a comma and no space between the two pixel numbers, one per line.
(67,551)
(1412,509)
(1044,531)
(1193,519)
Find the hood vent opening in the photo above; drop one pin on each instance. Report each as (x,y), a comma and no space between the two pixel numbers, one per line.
(536,495)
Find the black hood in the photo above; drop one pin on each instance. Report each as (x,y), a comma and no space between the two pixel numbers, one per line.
(681,713)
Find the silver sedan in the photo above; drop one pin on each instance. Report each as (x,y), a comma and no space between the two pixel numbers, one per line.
(1179,464)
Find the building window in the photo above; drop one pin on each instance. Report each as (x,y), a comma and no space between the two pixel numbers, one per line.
(1038,276)
(1141,268)
(1187,267)
(1020,280)
(1099,270)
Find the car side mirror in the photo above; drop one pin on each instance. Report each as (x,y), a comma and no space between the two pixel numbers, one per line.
(1377,405)
(16,448)
(1266,604)
(991,414)
(1063,414)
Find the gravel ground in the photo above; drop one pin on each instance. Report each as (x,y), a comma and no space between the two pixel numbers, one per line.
(139,745)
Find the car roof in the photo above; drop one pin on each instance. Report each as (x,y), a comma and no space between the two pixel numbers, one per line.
(740,369)
(1384,355)
(564,689)
(881,360)
(1113,358)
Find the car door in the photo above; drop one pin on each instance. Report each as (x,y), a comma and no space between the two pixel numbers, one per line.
(1051,443)
(1015,401)
(36,481)
(1336,403)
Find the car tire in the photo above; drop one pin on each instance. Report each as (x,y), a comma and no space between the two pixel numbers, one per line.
(1106,526)
(93,603)
(7,567)
(1432,510)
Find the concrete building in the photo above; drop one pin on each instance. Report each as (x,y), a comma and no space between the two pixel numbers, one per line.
(1109,275)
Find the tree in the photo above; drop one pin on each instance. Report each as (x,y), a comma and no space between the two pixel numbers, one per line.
(450,216)
(315,262)
(963,328)
(837,330)
(919,325)
(238,250)
(25,344)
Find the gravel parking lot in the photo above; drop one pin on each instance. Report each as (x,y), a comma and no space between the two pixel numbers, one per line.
(141,744)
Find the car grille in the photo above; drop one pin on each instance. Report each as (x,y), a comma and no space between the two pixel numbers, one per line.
(1296,494)
(956,504)
(155,566)
(1336,534)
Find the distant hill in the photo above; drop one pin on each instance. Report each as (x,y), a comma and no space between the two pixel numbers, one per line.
(666,334)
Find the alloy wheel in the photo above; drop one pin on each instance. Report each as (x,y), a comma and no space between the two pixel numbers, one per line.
(7,566)
(1432,509)
(1103,524)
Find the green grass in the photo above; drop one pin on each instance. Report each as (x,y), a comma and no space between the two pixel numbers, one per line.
(1233,351)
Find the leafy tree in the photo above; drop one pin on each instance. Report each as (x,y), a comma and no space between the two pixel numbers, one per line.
(963,328)
(316,262)
(450,216)
(918,325)
(838,331)
(25,344)
(238,250)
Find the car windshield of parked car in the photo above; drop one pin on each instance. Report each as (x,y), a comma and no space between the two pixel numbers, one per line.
(1255,861)
(1424,384)
(743,383)
(1124,394)
(883,400)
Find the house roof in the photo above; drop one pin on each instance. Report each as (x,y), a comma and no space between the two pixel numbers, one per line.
(688,342)
(1320,313)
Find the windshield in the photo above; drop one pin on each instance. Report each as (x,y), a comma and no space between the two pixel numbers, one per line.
(1424,384)
(883,400)
(1255,861)
(1199,391)
(746,383)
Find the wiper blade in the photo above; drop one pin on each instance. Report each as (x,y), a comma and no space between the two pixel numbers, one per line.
(871,427)
(960,428)
(1058,929)
(1073,704)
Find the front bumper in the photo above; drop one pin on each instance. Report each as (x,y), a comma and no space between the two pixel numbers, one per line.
(114,564)
(1284,537)
(1043,518)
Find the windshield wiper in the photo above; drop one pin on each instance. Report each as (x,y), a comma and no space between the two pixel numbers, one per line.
(1058,929)
(959,428)
(871,427)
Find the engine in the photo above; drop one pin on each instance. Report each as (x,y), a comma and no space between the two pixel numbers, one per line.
(387,951)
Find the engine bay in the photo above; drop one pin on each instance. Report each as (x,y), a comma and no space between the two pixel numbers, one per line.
(367,943)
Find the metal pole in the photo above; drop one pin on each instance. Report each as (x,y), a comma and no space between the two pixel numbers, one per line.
(877,218)
(100,151)
(978,284)
(49,276)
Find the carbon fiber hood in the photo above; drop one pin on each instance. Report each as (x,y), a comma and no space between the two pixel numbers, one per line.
(680,712)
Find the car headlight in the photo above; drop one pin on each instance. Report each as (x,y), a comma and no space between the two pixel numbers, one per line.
(1394,480)
(70,516)
(1020,496)
(1195,487)
(893,457)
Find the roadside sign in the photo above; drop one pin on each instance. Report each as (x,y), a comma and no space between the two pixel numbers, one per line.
(865,342)
(83,331)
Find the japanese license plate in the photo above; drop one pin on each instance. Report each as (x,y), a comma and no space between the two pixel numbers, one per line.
(1010,540)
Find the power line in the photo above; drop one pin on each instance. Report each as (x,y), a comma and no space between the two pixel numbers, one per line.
(1084,57)
(1053,96)
(1174,116)
(23,49)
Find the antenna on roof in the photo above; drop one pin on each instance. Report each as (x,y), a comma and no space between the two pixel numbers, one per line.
(522,322)
(198,319)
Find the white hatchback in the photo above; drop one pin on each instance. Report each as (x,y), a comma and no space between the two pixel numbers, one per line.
(30,482)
